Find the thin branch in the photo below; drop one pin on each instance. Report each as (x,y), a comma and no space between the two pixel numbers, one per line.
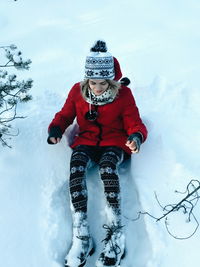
(9,134)
(175,207)
(4,143)
(4,46)
(182,238)
(13,118)
(7,109)
(139,215)
(6,65)
(186,204)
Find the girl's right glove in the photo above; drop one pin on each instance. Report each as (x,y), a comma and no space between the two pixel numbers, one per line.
(55,132)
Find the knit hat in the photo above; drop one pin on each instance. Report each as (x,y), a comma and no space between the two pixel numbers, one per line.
(100,64)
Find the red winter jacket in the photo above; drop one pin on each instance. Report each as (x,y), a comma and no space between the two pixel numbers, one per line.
(115,122)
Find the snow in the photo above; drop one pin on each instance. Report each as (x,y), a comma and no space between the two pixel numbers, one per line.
(157,45)
(17,59)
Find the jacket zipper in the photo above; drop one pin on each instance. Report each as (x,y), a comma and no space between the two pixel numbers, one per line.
(100,133)
(100,128)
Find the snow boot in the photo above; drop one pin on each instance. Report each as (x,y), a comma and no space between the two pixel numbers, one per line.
(114,247)
(82,243)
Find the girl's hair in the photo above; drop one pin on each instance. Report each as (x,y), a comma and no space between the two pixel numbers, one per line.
(113,85)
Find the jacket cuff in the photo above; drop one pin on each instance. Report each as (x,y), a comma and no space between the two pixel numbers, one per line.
(54,131)
(136,135)
(137,138)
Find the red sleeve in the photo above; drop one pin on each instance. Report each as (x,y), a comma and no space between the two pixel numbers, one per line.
(131,116)
(67,114)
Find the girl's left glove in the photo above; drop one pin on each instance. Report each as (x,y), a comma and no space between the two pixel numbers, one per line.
(137,139)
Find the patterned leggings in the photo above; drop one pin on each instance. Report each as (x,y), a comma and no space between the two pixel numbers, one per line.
(108,158)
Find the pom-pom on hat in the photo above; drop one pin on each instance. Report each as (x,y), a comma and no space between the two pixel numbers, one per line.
(100,64)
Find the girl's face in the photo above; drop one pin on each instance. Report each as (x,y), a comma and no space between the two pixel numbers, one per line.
(98,87)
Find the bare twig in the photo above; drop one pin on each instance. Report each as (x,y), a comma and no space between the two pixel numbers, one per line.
(187,204)
(179,204)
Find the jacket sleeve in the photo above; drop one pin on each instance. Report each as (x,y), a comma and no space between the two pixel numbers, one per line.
(66,115)
(131,117)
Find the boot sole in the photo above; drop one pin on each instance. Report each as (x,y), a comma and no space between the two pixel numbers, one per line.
(118,265)
(123,255)
(83,263)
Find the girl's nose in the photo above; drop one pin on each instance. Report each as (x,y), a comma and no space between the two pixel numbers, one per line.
(98,87)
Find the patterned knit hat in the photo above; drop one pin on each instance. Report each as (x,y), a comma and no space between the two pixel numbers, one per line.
(99,63)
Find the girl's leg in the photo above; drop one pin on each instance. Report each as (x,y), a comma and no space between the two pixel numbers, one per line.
(115,240)
(108,169)
(77,181)
(82,244)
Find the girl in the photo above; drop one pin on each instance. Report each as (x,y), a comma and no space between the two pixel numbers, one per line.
(110,129)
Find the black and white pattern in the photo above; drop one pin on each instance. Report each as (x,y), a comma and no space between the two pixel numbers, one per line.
(109,159)
(99,100)
(99,65)
(109,175)
(78,188)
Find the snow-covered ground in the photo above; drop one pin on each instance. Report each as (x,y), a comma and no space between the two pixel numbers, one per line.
(157,44)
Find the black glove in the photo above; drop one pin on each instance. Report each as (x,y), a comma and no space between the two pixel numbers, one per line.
(125,81)
(55,132)
(137,138)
